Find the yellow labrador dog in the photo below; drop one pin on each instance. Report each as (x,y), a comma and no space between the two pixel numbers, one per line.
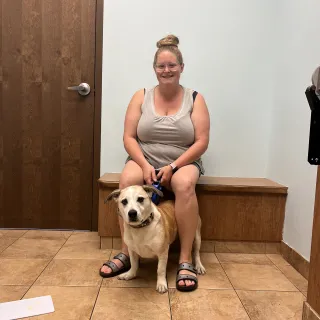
(149,230)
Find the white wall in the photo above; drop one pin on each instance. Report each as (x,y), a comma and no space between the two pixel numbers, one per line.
(298,55)
(252,61)
(226,48)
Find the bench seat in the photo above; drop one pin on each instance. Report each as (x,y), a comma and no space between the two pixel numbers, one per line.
(231,209)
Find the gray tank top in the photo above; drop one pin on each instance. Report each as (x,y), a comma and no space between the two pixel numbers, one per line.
(163,139)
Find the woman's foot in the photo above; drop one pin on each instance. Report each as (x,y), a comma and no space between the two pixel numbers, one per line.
(186,277)
(119,264)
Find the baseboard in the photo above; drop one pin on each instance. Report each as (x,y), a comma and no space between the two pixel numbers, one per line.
(295,259)
(308,313)
(210,246)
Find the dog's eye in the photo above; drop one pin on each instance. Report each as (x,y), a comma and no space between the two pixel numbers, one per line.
(124,202)
(140,199)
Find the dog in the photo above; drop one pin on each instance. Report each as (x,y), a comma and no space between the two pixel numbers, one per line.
(149,230)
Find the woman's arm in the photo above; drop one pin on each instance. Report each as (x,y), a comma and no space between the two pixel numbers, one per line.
(131,145)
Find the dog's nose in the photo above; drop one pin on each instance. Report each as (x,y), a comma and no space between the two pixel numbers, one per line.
(132,215)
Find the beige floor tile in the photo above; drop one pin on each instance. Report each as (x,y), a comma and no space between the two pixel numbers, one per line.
(240,247)
(207,246)
(215,277)
(12,293)
(278,260)
(208,258)
(206,305)
(14,233)
(243,258)
(70,303)
(32,249)
(6,242)
(147,273)
(71,272)
(146,278)
(85,245)
(2,232)
(131,304)
(295,277)
(257,277)
(269,305)
(47,234)
(305,293)
(21,271)
(84,236)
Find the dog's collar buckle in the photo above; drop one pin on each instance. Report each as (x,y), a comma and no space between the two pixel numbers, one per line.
(145,222)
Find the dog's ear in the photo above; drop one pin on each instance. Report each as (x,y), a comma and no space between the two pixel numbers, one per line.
(113,195)
(151,189)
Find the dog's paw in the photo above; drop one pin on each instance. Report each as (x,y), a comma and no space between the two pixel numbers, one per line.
(162,286)
(200,268)
(126,276)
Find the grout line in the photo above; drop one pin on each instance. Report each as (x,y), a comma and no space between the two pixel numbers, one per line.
(235,291)
(288,278)
(60,248)
(22,237)
(95,302)
(284,273)
(50,260)
(8,246)
(169,300)
(44,269)
(36,279)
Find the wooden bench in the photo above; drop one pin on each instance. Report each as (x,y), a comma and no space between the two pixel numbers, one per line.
(234,212)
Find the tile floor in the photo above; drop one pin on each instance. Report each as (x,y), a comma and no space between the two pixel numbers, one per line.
(65,265)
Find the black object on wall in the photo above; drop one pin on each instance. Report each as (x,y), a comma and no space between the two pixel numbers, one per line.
(314,136)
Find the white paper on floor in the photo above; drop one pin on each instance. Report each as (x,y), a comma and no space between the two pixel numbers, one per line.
(26,308)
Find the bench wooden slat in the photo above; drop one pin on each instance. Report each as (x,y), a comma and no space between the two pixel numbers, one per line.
(231,209)
(111,180)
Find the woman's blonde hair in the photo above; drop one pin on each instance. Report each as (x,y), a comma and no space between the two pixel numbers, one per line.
(169,43)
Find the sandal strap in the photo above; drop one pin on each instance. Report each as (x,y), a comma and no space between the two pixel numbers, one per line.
(123,258)
(186,266)
(112,266)
(186,277)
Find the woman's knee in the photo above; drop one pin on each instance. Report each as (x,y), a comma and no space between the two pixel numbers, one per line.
(131,175)
(184,181)
(185,186)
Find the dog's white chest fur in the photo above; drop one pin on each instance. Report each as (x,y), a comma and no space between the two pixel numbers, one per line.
(147,241)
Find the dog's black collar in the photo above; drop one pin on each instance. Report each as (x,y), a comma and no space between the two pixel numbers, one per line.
(145,222)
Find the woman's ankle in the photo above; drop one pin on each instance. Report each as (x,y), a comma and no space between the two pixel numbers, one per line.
(125,250)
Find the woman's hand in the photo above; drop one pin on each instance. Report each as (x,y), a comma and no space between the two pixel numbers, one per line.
(165,174)
(149,174)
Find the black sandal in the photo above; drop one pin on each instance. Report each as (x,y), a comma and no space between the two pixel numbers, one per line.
(189,267)
(115,269)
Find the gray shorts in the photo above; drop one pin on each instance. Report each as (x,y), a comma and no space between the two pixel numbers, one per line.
(195,163)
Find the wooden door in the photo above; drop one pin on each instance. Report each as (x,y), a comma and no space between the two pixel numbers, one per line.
(46,131)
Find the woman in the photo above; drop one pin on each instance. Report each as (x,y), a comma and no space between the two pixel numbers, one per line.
(166,128)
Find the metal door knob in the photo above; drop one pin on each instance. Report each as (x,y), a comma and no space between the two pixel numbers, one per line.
(82,88)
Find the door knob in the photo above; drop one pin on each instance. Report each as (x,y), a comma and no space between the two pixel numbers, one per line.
(82,88)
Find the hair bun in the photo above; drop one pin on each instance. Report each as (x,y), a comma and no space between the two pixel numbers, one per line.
(169,40)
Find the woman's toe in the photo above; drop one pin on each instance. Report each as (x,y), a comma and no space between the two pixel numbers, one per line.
(181,283)
(189,283)
(105,269)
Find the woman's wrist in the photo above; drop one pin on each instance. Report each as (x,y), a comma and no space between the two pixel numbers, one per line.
(173,167)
